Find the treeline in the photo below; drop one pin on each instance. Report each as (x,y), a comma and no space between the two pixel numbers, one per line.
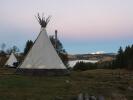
(124,59)
(4,50)
(88,66)
(84,66)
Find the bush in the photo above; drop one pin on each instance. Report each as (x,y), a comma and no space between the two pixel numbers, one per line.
(82,66)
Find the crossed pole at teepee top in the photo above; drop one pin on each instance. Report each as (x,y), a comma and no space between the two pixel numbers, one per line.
(42,20)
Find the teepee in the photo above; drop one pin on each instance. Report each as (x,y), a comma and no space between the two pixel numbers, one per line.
(11,60)
(42,58)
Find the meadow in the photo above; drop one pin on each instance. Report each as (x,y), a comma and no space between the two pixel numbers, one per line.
(111,84)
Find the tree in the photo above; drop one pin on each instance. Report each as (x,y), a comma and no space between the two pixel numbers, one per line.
(124,58)
(28,46)
(9,51)
(128,56)
(15,49)
(120,58)
(3,45)
(2,52)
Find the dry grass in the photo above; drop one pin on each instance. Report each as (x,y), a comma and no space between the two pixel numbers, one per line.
(112,84)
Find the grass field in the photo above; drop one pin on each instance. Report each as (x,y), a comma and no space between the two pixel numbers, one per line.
(112,84)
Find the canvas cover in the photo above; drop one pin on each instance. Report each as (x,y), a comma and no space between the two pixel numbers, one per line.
(11,60)
(42,55)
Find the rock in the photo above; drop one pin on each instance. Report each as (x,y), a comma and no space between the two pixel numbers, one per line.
(93,98)
(74,98)
(80,96)
(58,98)
(130,88)
(101,98)
(86,96)
(67,81)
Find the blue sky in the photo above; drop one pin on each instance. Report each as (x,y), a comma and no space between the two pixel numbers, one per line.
(84,26)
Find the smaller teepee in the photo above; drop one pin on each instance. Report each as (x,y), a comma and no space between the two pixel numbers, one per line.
(11,60)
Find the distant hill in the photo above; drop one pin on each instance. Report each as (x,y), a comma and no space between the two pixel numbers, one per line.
(100,57)
(114,54)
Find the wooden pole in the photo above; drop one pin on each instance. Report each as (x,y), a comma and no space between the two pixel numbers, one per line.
(56,40)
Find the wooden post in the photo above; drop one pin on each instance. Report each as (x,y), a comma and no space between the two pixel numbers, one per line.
(56,40)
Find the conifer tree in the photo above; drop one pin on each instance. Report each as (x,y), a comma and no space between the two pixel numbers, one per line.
(28,46)
(119,58)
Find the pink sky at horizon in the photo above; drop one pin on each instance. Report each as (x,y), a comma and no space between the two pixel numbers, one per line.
(75,20)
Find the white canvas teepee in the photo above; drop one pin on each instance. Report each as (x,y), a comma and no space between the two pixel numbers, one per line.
(11,60)
(42,56)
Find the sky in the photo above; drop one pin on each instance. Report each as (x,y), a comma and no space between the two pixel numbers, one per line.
(84,26)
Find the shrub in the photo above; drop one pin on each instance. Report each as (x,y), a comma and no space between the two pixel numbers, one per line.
(82,66)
